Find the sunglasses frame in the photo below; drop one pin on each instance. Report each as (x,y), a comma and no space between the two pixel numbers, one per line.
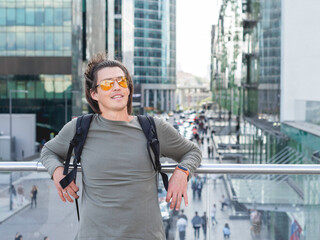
(111,82)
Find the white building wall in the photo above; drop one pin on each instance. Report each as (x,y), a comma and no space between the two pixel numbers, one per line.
(24,132)
(300,78)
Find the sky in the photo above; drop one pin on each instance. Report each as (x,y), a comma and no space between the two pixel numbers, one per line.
(194,21)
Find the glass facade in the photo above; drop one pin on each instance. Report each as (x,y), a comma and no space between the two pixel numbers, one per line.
(155,43)
(269,28)
(42,32)
(35,28)
(262,56)
(46,98)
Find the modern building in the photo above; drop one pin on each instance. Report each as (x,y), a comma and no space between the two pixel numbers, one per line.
(155,54)
(39,52)
(44,46)
(279,104)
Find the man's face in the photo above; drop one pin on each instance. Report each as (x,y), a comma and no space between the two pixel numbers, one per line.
(116,98)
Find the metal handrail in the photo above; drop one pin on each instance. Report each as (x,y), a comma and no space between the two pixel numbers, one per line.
(204,168)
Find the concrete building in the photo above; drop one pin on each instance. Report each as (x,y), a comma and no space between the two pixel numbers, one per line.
(191,90)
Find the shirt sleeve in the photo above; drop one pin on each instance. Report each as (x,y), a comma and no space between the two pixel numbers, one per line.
(177,147)
(55,151)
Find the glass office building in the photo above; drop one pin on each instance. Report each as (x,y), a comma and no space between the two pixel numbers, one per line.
(155,54)
(37,42)
(282,200)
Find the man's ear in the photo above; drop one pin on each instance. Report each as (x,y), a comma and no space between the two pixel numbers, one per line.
(93,95)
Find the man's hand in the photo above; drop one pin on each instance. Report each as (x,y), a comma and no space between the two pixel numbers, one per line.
(177,188)
(71,189)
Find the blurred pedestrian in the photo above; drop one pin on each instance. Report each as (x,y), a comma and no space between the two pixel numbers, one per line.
(20,195)
(13,193)
(182,215)
(199,187)
(46,238)
(182,225)
(209,151)
(226,231)
(196,223)
(18,236)
(204,221)
(255,217)
(224,202)
(33,195)
(214,214)
(194,187)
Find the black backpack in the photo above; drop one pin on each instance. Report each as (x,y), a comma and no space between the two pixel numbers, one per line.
(82,128)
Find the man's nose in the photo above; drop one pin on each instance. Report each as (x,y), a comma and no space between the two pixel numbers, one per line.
(116,85)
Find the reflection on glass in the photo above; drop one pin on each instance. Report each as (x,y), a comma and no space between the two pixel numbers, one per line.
(11,16)
(48,16)
(30,16)
(30,42)
(11,41)
(2,16)
(20,41)
(20,16)
(49,41)
(39,41)
(39,18)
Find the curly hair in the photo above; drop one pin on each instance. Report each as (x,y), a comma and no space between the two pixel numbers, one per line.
(97,63)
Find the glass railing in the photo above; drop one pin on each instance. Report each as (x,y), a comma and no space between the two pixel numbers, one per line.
(279,201)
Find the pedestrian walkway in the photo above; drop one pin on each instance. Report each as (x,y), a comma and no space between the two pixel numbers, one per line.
(240,229)
(211,194)
(19,178)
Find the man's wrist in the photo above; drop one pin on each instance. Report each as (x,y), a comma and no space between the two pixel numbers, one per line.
(183,169)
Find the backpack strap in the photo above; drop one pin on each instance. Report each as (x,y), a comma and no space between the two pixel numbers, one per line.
(79,138)
(149,129)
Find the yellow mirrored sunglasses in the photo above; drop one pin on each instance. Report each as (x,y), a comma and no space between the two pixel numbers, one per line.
(107,84)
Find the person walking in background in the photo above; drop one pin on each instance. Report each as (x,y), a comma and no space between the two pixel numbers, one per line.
(199,186)
(204,221)
(213,214)
(226,231)
(194,187)
(224,202)
(209,151)
(182,215)
(20,196)
(33,195)
(196,223)
(13,194)
(182,225)
(18,236)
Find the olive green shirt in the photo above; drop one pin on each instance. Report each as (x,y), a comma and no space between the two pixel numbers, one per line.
(119,196)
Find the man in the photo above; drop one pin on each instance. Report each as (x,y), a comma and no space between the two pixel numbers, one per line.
(196,223)
(119,197)
(204,221)
(182,215)
(182,225)
(224,202)
(214,214)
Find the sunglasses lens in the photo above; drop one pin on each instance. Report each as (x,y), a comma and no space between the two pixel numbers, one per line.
(123,82)
(106,85)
